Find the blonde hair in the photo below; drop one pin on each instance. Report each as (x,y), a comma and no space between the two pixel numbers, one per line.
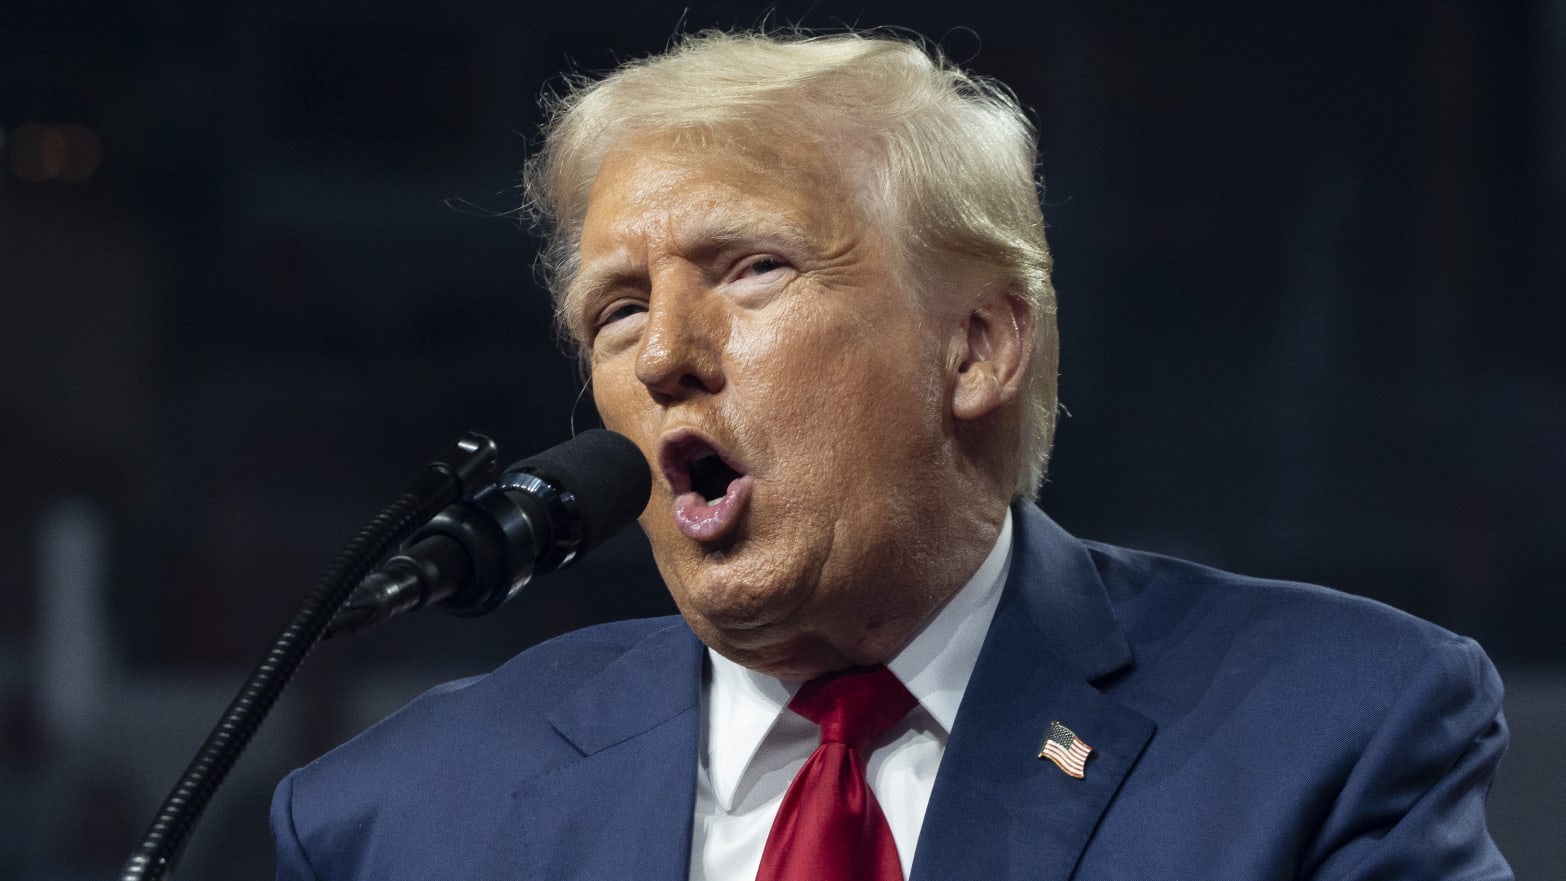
(945,159)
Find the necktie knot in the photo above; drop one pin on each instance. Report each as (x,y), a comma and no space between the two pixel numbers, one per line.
(854,707)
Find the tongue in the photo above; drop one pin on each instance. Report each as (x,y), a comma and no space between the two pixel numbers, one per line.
(701,520)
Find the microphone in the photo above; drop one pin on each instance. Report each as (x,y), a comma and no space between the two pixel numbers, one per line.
(543,513)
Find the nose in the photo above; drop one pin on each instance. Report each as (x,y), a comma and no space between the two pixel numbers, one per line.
(681,351)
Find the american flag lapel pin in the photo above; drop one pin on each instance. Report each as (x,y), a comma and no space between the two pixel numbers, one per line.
(1063,747)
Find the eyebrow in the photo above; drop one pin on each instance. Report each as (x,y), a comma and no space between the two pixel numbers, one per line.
(605,272)
(734,230)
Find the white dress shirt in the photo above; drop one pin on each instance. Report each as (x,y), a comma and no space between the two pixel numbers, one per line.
(752,746)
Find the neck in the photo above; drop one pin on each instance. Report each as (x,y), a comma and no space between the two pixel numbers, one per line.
(872,627)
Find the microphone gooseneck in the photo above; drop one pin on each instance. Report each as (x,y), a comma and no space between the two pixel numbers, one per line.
(539,516)
(477,551)
(470,461)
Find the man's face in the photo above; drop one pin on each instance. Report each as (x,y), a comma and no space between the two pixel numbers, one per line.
(749,330)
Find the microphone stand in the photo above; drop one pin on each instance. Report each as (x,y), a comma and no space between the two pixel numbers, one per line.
(472,461)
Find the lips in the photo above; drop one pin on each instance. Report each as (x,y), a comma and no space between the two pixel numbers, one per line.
(710,487)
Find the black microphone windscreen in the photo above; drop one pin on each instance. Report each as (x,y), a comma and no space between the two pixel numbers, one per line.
(606,473)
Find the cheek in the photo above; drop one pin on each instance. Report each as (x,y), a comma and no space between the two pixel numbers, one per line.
(614,390)
(797,391)
(844,395)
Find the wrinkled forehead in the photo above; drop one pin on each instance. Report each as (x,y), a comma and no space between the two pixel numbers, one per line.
(725,189)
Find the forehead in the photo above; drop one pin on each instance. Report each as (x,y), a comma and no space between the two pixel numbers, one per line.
(667,187)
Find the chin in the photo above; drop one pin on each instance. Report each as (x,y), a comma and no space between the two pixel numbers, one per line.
(738,586)
(744,613)
(793,659)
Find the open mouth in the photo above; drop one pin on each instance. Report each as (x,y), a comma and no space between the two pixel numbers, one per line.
(711,476)
(691,463)
(710,491)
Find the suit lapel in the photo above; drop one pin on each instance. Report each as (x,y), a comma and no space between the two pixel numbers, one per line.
(997,810)
(623,810)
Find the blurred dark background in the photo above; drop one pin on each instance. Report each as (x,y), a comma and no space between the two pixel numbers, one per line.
(259,264)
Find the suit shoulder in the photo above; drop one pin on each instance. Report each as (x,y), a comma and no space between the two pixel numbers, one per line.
(512,702)
(426,785)
(572,657)
(551,669)
(1153,593)
(1365,736)
(1196,630)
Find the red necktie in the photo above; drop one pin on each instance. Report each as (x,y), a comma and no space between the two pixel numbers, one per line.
(829,826)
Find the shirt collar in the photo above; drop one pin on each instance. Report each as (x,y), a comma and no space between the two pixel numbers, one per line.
(743,705)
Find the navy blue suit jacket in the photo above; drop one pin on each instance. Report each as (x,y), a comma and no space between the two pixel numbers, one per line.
(1242,729)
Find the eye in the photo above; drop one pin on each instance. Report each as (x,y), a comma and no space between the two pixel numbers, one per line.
(617,311)
(763,266)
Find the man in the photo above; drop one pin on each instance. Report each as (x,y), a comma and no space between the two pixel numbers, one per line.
(811,283)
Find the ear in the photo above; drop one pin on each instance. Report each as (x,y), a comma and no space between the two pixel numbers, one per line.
(996,348)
